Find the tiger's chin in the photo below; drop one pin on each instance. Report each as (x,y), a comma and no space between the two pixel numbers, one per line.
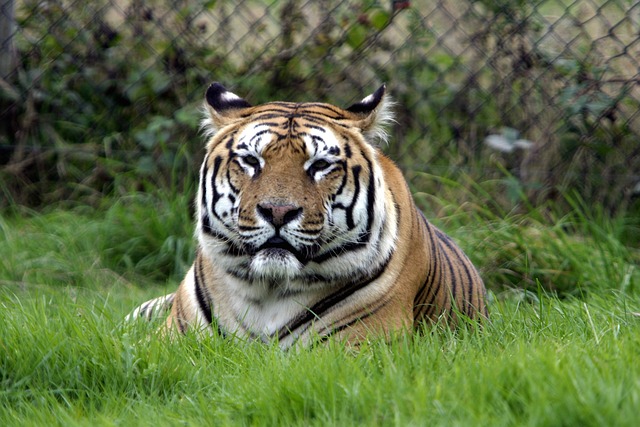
(275,263)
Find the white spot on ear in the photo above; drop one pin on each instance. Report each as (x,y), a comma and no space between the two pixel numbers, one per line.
(229,96)
(367,99)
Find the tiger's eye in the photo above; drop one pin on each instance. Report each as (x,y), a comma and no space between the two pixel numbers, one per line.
(251,160)
(319,165)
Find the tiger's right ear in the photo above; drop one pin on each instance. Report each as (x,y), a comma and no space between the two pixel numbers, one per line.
(221,108)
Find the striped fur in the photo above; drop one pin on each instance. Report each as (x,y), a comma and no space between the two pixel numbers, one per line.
(306,230)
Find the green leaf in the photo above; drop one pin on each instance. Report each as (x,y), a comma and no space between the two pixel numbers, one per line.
(188,116)
(146,165)
(379,18)
(146,138)
(356,36)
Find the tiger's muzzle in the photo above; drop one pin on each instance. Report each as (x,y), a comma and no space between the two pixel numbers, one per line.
(280,217)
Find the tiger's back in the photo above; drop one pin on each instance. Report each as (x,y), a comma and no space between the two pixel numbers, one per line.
(305,230)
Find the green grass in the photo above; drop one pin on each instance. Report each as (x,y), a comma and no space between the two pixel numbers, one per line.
(66,358)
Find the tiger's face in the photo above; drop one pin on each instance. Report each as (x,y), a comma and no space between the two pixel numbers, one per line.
(287,191)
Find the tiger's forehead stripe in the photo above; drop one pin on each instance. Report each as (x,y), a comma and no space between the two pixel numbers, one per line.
(255,138)
(321,142)
(311,133)
(301,109)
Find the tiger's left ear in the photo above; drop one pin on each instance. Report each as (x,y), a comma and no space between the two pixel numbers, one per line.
(222,108)
(373,114)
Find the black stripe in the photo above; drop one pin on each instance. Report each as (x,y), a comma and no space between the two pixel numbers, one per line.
(216,196)
(144,308)
(273,114)
(315,139)
(428,284)
(371,195)
(347,149)
(434,285)
(182,327)
(344,179)
(320,128)
(230,140)
(206,221)
(369,311)
(216,168)
(320,106)
(325,336)
(232,249)
(431,306)
(338,252)
(454,281)
(228,175)
(207,227)
(463,264)
(203,300)
(310,231)
(318,118)
(319,308)
(365,236)
(247,228)
(259,134)
(221,331)
(355,170)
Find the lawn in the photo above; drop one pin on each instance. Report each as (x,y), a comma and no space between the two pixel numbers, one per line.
(68,277)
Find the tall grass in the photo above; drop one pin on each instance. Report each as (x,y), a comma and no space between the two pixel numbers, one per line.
(148,236)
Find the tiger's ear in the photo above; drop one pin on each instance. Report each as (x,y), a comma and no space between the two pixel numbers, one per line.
(221,108)
(373,114)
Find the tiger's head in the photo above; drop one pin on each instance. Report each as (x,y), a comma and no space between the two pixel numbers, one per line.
(292,194)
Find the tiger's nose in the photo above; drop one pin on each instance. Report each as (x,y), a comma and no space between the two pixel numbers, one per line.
(278,214)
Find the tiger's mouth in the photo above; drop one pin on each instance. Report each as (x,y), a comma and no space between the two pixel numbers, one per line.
(277,247)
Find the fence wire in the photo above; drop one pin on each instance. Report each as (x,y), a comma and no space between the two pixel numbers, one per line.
(544,94)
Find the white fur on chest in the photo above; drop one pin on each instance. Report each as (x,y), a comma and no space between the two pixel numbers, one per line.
(262,311)
(269,316)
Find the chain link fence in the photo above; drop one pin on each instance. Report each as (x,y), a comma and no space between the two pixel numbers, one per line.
(540,97)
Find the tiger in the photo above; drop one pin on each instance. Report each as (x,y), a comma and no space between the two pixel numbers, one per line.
(306,230)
